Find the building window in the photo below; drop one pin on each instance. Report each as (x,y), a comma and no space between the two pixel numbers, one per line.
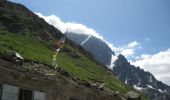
(9,92)
(25,94)
(39,95)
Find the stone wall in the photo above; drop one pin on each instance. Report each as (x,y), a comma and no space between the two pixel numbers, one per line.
(55,89)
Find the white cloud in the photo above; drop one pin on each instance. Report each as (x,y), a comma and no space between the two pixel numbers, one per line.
(72,26)
(158,64)
(133,44)
(114,58)
(127,50)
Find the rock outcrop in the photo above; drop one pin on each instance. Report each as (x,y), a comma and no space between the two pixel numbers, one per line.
(140,79)
(131,95)
(14,18)
(95,46)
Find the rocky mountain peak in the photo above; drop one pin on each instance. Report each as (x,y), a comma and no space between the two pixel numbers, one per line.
(121,60)
(140,79)
(95,46)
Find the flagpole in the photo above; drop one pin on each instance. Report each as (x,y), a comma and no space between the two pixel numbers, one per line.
(54,62)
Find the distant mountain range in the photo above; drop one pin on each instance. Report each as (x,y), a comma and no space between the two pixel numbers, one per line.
(140,79)
(127,73)
(97,47)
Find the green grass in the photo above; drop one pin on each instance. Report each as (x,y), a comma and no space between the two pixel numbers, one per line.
(82,67)
(28,47)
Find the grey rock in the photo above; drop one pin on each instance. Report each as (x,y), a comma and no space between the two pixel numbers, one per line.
(133,75)
(131,95)
(95,46)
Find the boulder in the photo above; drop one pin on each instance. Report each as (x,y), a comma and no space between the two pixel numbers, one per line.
(131,95)
(13,57)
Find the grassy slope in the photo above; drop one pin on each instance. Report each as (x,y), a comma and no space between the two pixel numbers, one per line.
(82,67)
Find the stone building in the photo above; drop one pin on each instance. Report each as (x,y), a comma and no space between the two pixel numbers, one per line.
(21,83)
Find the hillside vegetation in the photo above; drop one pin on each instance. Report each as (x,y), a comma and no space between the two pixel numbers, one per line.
(69,58)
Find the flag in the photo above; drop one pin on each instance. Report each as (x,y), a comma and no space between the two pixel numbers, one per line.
(54,62)
(60,42)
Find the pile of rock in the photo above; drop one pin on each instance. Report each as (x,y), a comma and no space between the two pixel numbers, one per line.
(13,57)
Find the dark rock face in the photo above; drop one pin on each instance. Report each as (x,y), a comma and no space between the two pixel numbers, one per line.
(98,48)
(16,18)
(138,78)
(12,57)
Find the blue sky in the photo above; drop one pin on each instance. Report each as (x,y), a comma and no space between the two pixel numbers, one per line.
(120,22)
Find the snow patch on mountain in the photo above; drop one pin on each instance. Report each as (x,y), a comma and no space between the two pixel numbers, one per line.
(126,81)
(83,42)
(150,79)
(137,87)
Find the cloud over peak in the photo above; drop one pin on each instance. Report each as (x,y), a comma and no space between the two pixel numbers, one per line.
(127,50)
(72,26)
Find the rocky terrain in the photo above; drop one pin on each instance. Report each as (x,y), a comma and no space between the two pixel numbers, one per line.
(140,79)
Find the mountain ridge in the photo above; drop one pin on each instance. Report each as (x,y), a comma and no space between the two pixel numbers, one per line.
(140,79)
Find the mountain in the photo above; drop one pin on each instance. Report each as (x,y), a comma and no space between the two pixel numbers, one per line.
(95,46)
(140,79)
(18,19)
(26,42)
